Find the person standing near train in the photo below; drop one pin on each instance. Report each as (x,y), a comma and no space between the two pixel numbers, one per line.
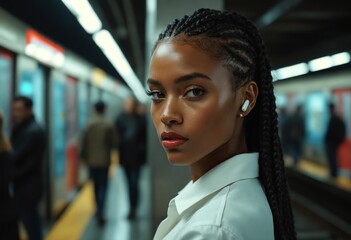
(28,141)
(335,135)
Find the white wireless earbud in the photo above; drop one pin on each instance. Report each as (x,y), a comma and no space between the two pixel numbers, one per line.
(245,105)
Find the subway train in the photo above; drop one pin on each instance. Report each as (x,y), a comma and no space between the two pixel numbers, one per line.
(313,93)
(63,88)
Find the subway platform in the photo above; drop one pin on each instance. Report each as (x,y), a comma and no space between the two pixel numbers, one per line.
(78,221)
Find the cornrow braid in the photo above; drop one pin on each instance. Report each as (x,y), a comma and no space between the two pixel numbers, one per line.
(240,47)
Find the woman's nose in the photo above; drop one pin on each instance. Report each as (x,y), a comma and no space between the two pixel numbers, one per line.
(171,113)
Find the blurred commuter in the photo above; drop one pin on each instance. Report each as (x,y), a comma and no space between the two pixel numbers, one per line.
(129,130)
(335,135)
(284,130)
(294,131)
(141,109)
(28,141)
(8,217)
(98,141)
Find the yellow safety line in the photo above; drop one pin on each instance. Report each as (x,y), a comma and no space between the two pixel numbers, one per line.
(73,222)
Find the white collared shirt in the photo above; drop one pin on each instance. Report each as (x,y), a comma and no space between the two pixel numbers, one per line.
(228,202)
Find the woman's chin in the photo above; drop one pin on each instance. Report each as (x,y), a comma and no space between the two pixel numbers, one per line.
(177,159)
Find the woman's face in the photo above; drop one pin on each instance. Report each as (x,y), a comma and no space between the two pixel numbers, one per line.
(194,108)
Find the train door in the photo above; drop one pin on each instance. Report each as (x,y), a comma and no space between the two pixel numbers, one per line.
(316,115)
(71,132)
(58,140)
(83,104)
(6,81)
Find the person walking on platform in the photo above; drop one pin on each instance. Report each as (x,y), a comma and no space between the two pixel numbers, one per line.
(130,130)
(98,141)
(8,217)
(142,108)
(295,129)
(29,144)
(335,135)
(214,111)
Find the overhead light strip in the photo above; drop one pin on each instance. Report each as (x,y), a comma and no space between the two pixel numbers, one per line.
(112,51)
(87,17)
(85,14)
(311,66)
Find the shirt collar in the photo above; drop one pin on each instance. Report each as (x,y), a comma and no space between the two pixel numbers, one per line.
(242,166)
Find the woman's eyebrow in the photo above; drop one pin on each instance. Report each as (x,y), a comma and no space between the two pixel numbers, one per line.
(191,76)
(181,79)
(153,81)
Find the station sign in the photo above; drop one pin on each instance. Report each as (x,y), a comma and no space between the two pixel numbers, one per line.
(44,50)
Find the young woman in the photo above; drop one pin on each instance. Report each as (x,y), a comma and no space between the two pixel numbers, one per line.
(214,110)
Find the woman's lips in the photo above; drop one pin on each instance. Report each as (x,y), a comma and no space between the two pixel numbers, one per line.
(172,139)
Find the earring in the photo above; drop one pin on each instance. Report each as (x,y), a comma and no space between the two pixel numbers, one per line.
(241,115)
(245,105)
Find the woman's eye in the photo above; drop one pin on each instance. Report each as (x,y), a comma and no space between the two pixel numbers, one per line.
(195,92)
(155,94)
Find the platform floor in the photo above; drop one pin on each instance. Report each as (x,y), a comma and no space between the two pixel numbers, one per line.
(117,225)
(78,221)
(321,172)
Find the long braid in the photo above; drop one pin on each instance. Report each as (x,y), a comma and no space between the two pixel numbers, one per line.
(236,41)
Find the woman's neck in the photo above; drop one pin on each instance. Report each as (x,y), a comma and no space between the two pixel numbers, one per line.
(219,155)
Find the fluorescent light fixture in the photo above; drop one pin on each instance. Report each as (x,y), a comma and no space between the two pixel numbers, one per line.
(87,17)
(313,65)
(85,14)
(320,63)
(341,58)
(110,48)
(329,61)
(90,25)
(151,6)
(274,75)
(292,71)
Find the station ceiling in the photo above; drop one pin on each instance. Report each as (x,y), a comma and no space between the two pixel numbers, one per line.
(293,30)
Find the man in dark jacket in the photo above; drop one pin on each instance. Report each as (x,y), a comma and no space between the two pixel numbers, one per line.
(28,141)
(335,135)
(129,130)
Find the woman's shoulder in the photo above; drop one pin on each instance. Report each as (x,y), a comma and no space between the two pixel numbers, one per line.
(239,210)
(247,210)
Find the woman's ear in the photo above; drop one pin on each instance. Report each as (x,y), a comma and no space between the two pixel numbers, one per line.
(249,93)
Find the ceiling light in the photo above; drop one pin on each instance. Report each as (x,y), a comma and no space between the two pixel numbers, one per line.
(110,48)
(292,71)
(341,58)
(320,63)
(85,14)
(274,75)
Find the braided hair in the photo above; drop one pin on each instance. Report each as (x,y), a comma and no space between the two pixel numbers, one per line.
(236,42)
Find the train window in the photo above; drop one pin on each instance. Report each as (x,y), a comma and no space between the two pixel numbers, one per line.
(31,79)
